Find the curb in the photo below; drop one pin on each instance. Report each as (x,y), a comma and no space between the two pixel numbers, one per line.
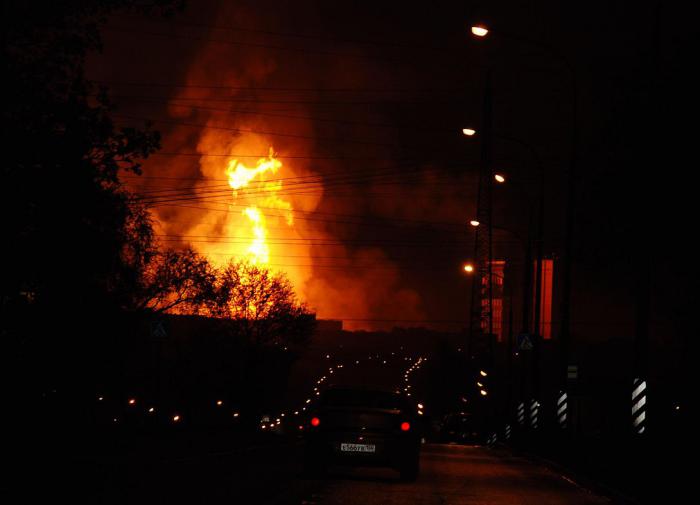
(577,478)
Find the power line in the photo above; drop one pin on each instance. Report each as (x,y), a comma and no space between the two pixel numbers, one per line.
(286,48)
(409,221)
(290,189)
(337,175)
(381,176)
(325,241)
(446,101)
(260,132)
(383,43)
(281,156)
(171,102)
(458,91)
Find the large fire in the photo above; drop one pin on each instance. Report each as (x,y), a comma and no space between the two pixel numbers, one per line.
(250,207)
(239,177)
(294,210)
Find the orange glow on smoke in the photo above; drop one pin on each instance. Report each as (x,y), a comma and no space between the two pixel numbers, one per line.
(289,210)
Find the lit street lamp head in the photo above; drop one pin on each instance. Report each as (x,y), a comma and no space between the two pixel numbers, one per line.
(469,132)
(479,31)
(469,268)
(474,222)
(499,178)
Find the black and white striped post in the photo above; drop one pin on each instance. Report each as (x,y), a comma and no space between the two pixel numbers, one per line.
(507,432)
(534,414)
(562,409)
(521,413)
(639,402)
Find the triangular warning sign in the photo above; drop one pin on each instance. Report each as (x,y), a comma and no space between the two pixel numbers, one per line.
(158,329)
(525,342)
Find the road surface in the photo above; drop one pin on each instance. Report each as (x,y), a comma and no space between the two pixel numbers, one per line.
(455,475)
(270,474)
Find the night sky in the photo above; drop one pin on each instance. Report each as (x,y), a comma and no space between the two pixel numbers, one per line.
(367,99)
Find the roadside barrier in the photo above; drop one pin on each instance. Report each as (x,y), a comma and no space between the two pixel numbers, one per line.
(639,401)
(562,409)
(534,414)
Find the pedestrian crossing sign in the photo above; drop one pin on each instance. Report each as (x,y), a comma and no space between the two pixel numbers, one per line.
(525,342)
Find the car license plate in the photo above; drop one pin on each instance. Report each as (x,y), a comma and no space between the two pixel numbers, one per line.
(357,447)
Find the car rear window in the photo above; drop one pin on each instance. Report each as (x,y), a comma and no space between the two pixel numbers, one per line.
(367,399)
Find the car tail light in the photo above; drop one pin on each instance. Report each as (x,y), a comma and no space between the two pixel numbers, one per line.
(315,421)
(405,426)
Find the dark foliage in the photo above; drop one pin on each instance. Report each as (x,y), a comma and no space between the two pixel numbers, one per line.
(68,219)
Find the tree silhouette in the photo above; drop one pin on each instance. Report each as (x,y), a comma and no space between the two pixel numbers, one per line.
(66,216)
(177,281)
(263,304)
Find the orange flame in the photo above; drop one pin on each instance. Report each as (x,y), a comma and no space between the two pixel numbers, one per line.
(239,177)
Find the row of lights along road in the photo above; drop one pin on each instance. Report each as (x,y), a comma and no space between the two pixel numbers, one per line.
(267,422)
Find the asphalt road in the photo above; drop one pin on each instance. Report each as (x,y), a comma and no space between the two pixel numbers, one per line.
(455,475)
(270,474)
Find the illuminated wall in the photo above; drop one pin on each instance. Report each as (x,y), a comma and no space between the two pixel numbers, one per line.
(497,271)
(546,282)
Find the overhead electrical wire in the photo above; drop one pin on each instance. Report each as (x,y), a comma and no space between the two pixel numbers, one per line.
(402,220)
(260,132)
(262,189)
(450,101)
(309,36)
(364,57)
(281,89)
(172,102)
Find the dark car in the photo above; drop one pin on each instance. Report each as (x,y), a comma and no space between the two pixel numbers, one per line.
(363,427)
(460,427)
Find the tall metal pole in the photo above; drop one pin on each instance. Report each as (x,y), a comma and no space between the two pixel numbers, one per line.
(538,336)
(565,330)
(509,350)
(482,293)
(487,172)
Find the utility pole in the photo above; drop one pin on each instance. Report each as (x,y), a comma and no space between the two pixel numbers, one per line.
(537,334)
(565,330)
(481,326)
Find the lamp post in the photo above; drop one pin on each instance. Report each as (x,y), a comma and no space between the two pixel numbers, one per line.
(508,293)
(526,244)
(481,31)
(482,296)
(501,179)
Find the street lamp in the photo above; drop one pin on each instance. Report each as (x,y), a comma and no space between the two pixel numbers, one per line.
(469,132)
(479,30)
(508,292)
(499,178)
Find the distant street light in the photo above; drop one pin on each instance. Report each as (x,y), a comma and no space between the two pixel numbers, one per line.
(474,222)
(479,31)
(499,178)
(469,132)
(469,268)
